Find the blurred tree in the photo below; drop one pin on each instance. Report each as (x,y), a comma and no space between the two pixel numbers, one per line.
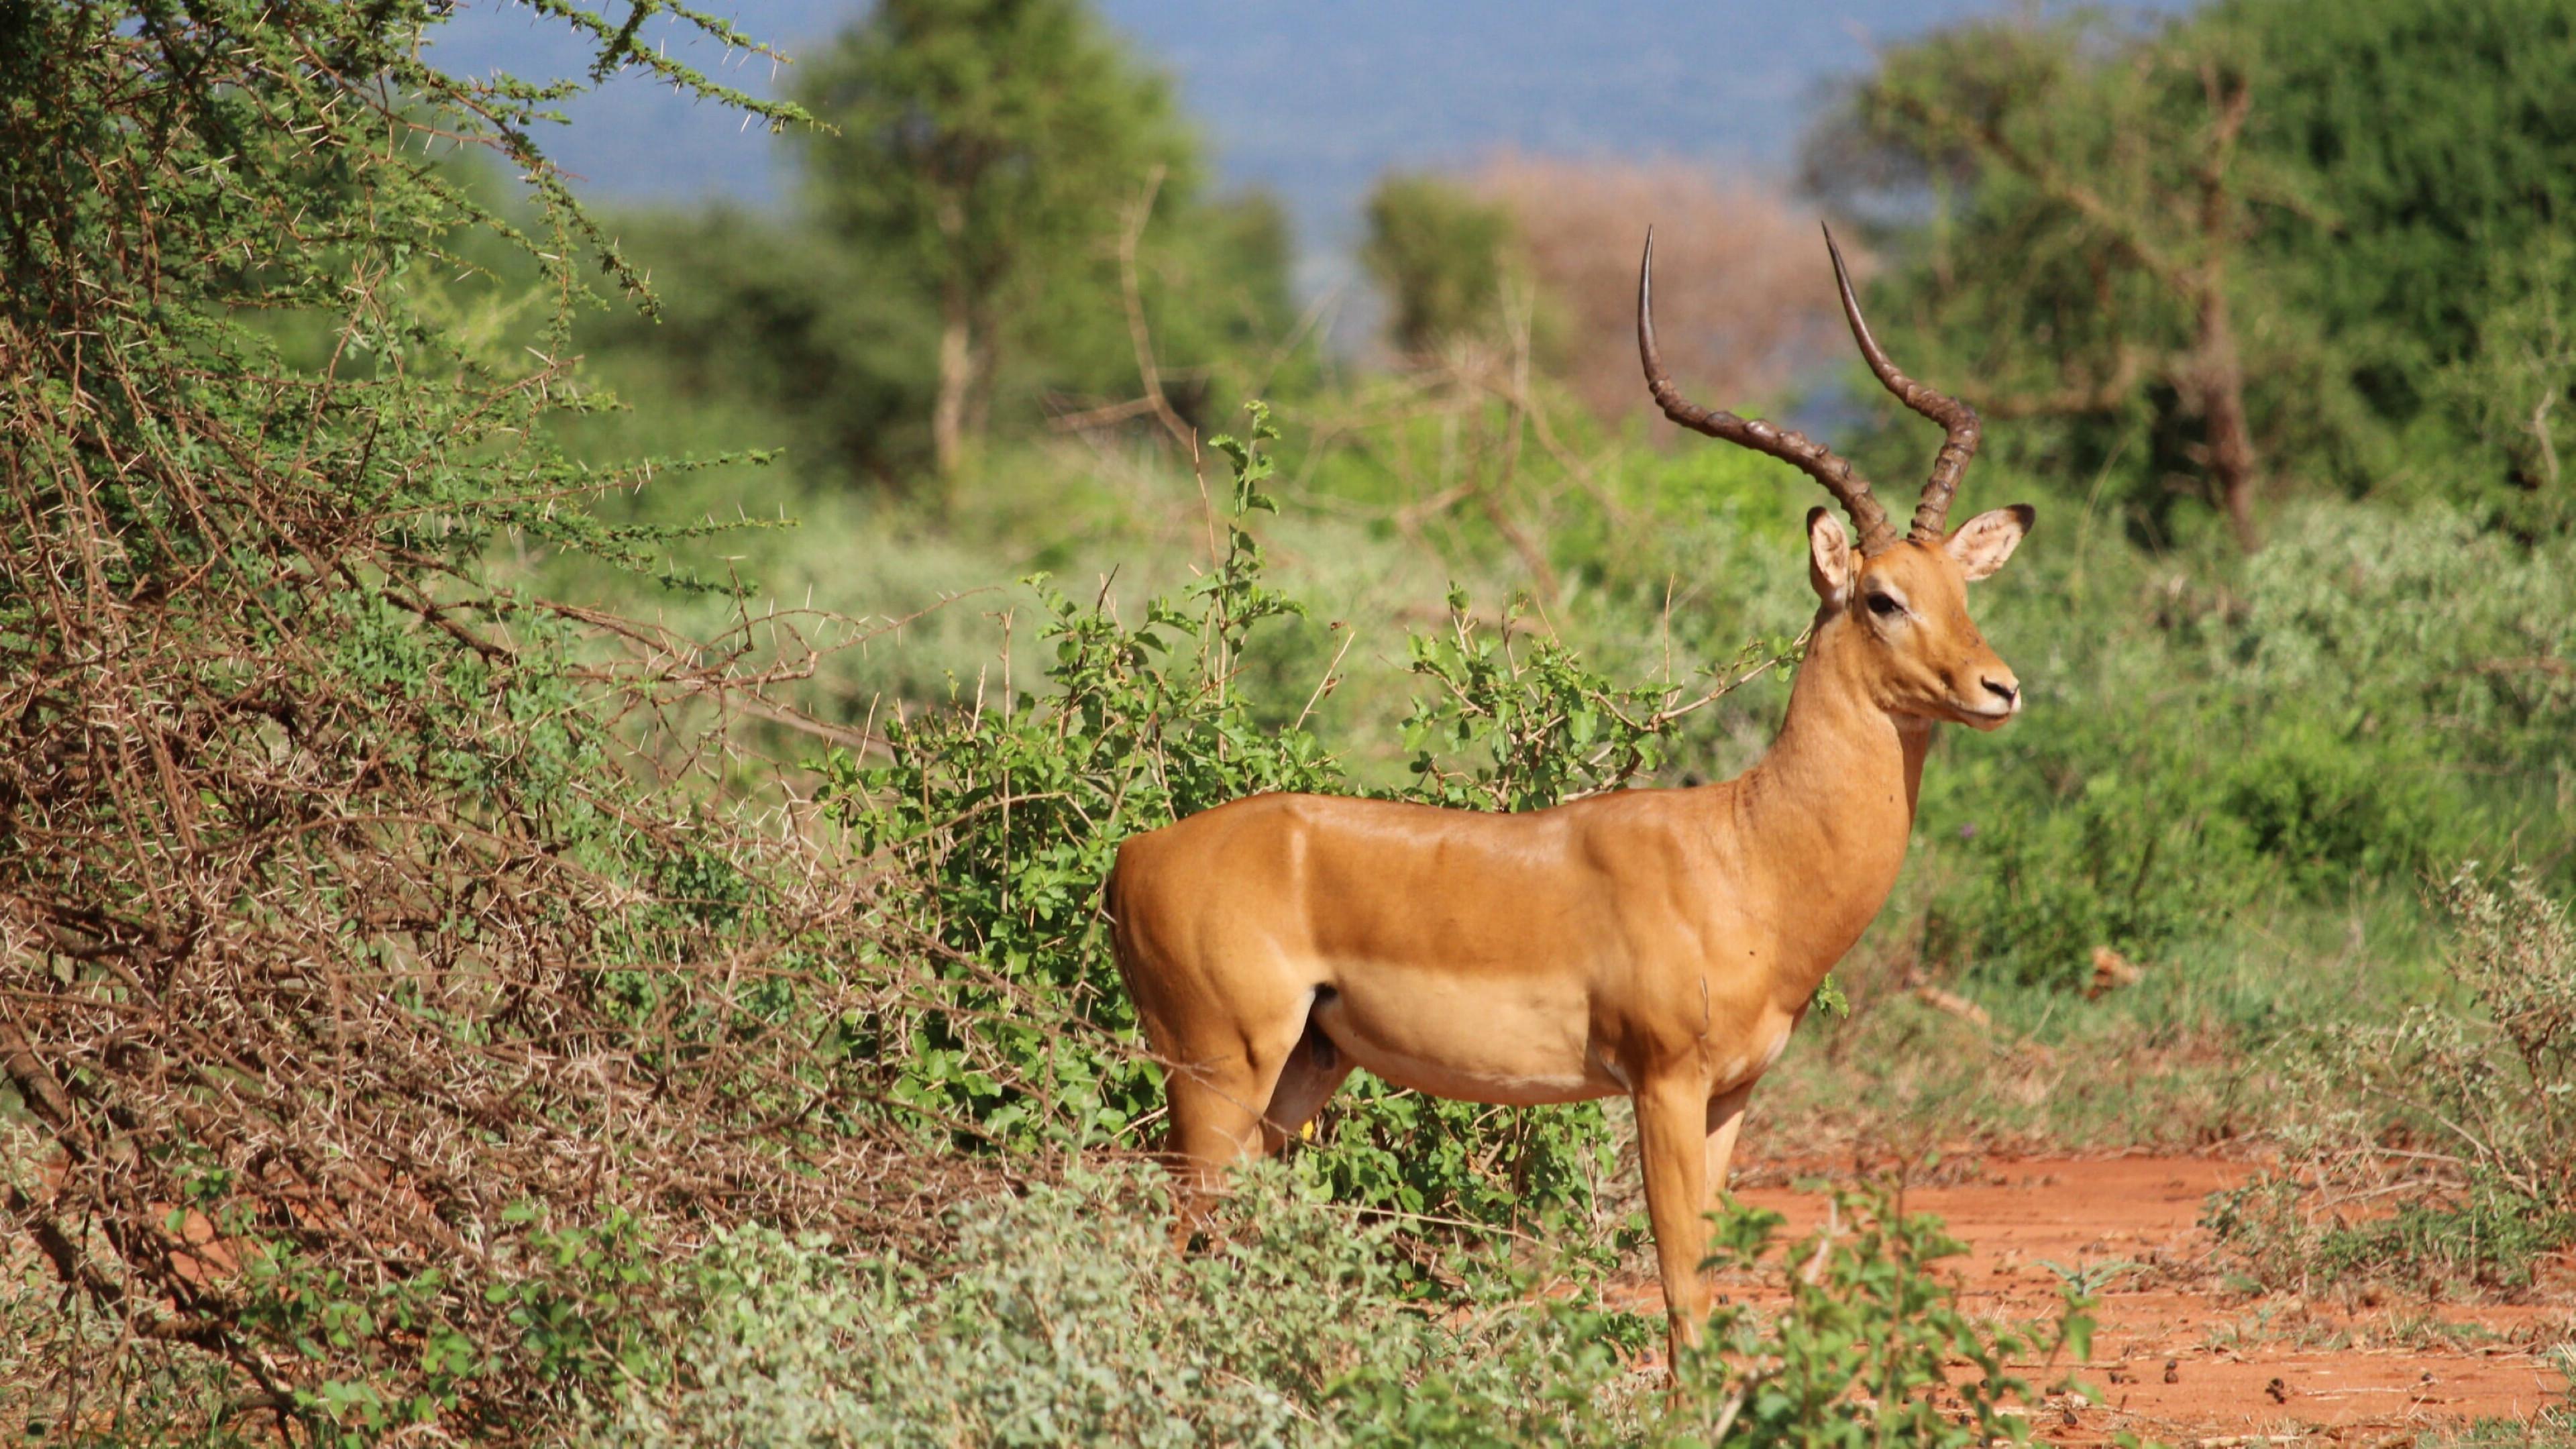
(2250,245)
(2442,150)
(1744,298)
(1179,319)
(1439,252)
(983,146)
(780,325)
(2515,384)
(1088,269)
(2092,251)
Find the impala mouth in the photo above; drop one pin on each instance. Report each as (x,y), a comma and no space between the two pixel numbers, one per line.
(1986,719)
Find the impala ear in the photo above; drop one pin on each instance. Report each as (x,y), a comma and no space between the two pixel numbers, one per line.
(1830,565)
(1983,543)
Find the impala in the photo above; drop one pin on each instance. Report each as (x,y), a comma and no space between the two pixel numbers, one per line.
(1657,943)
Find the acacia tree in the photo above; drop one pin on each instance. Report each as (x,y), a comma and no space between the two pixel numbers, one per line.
(2102,201)
(2254,245)
(2442,157)
(985,149)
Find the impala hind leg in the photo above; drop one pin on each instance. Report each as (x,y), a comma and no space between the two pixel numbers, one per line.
(1672,1147)
(1725,1120)
(1218,1099)
(1215,1118)
(1315,1070)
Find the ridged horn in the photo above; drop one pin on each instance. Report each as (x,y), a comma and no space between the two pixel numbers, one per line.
(1816,460)
(1958,420)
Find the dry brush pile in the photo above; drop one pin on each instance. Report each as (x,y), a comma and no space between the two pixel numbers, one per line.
(384,999)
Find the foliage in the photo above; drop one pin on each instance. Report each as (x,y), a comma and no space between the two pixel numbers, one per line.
(982,152)
(1867,1349)
(2512,385)
(2370,672)
(776,330)
(2440,174)
(848,326)
(2086,268)
(2238,244)
(974,135)
(371,998)
(1063,1316)
(2465,1108)
(1548,729)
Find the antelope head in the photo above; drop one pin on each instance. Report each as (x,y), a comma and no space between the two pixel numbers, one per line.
(1902,603)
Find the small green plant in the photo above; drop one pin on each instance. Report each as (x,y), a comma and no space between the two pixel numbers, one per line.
(2441,1148)
(1865,1350)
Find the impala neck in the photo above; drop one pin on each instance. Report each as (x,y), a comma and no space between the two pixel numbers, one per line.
(1832,804)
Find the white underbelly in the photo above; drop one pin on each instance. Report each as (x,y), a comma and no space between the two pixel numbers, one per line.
(1517,1044)
(1484,1081)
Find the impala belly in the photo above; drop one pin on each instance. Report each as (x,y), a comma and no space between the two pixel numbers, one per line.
(1517,1042)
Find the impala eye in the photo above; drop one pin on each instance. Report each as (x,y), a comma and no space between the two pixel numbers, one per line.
(1885,606)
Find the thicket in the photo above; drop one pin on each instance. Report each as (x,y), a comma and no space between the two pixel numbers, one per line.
(381,1006)
(1062,1317)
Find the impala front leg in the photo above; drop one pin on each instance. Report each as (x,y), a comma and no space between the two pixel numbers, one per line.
(1672,1146)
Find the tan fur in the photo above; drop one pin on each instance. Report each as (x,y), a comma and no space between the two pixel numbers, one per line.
(1654,943)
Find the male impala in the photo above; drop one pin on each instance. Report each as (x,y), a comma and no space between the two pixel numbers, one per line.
(1658,943)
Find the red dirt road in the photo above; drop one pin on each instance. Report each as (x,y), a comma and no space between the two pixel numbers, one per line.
(2180,1358)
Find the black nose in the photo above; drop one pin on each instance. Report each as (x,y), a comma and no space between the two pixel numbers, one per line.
(2005,692)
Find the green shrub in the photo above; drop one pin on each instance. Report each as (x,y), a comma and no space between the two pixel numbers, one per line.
(2324,809)
(1064,1317)
(2133,857)
(2375,692)
(2386,624)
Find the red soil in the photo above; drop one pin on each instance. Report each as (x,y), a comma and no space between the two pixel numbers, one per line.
(2181,1358)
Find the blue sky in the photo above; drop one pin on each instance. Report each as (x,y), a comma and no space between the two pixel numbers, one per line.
(1311,99)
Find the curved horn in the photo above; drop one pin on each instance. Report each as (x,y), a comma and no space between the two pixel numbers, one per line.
(1957,419)
(1814,459)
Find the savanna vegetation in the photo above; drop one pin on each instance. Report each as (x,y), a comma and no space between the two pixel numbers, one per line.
(550,824)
